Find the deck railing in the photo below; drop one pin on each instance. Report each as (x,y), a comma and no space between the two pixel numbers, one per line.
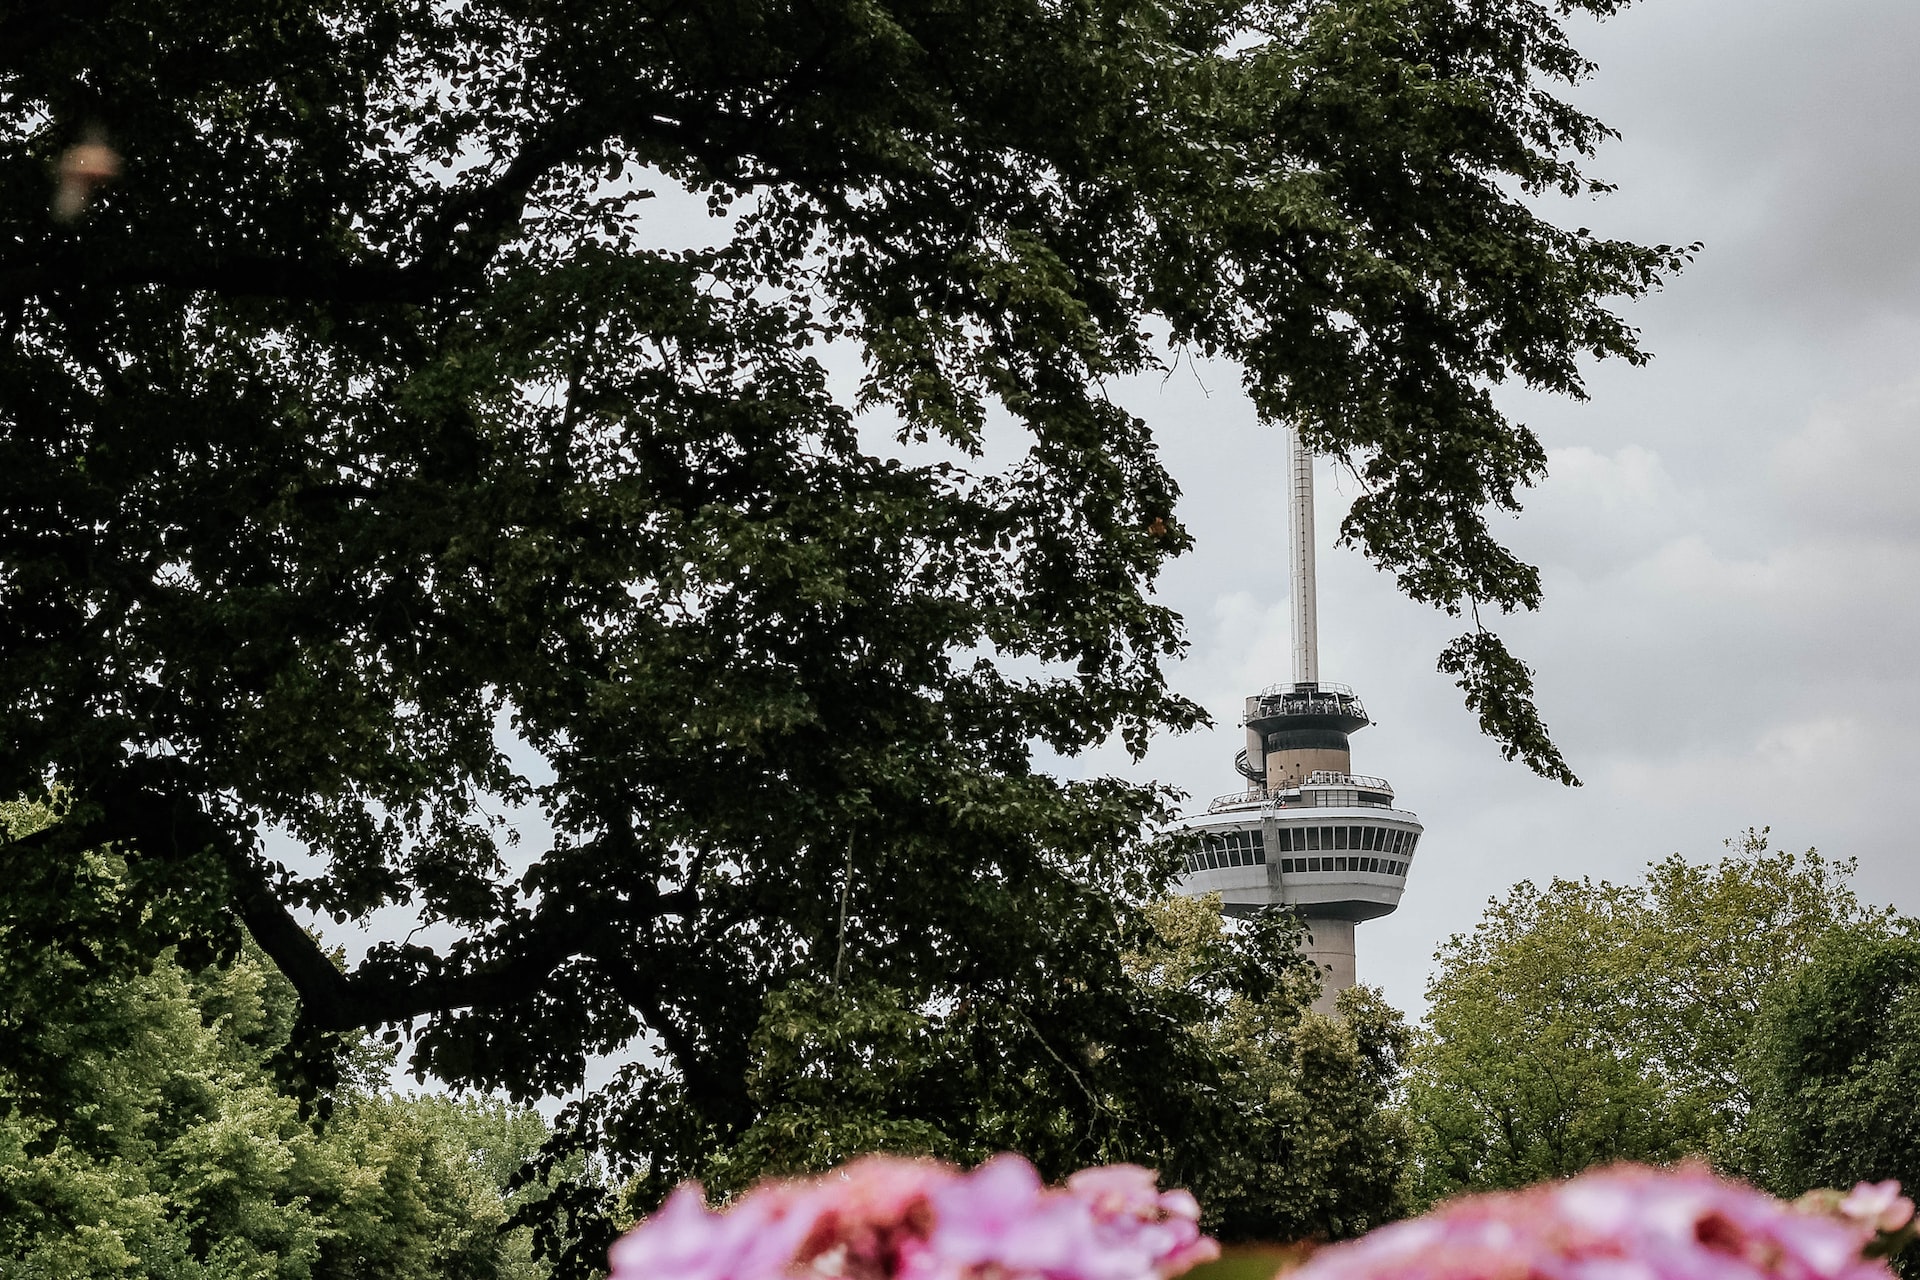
(1316,795)
(1329,778)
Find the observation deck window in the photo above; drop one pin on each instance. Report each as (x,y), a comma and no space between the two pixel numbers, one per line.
(1248,848)
(1372,866)
(1363,837)
(1229,849)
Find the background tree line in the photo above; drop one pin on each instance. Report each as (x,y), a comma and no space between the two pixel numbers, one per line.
(149,1126)
(1752,1013)
(159,1121)
(159,1117)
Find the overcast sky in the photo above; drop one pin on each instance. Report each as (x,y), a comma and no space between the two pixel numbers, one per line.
(1730,537)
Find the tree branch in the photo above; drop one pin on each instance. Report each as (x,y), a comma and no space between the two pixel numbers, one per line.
(172,828)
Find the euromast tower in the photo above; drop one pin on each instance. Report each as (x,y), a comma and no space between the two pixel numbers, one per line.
(1308,832)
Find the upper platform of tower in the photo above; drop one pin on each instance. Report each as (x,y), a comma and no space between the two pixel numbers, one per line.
(1306,704)
(1298,729)
(1309,833)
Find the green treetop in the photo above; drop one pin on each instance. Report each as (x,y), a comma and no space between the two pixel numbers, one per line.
(1588,1022)
(1314,1149)
(148,1132)
(1837,1067)
(1293,1138)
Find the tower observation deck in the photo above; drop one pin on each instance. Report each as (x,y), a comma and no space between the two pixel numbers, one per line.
(1307,832)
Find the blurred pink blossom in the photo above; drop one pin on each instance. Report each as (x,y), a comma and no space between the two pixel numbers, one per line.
(1878,1205)
(685,1240)
(883,1218)
(1129,1211)
(83,169)
(1627,1222)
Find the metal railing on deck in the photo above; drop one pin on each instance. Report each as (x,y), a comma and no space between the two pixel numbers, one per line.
(1329,778)
(1303,800)
(1326,700)
(1292,690)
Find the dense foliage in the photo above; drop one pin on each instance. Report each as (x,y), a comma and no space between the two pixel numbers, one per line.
(147,1133)
(1590,1022)
(374,463)
(1314,1150)
(1838,1066)
(1302,1142)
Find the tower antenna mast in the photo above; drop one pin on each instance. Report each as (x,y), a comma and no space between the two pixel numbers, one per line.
(1306,618)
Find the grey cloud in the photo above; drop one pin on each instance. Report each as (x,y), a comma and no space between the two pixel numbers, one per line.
(1779,132)
(1855,466)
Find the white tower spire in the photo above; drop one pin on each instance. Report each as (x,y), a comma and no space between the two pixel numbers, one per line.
(1306,618)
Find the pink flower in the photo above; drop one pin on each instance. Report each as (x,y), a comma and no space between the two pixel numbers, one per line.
(1119,1191)
(1156,1229)
(1001,1219)
(1624,1223)
(684,1240)
(1878,1205)
(869,1217)
(883,1218)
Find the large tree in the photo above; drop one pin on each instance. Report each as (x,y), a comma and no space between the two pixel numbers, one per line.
(372,460)
(1302,1143)
(1314,1150)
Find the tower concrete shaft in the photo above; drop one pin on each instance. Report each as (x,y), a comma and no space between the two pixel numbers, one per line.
(1329,944)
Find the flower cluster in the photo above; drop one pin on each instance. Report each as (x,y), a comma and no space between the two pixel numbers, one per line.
(883,1218)
(1624,1223)
(1878,1206)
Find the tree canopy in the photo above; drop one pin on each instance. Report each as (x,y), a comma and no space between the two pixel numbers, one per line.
(1314,1149)
(1837,1066)
(148,1132)
(1302,1143)
(1588,1022)
(372,462)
